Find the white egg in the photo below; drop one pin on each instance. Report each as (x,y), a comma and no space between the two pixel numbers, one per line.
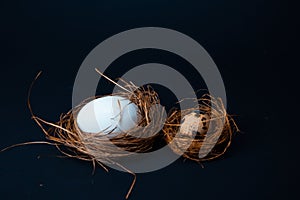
(107,114)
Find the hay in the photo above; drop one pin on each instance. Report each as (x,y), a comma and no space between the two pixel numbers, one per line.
(222,127)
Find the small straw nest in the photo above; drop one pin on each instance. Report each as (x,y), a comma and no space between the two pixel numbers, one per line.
(222,127)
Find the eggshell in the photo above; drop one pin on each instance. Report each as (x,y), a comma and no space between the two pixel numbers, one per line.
(109,114)
(193,123)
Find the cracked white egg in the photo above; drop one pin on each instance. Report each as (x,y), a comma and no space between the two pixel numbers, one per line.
(109,114)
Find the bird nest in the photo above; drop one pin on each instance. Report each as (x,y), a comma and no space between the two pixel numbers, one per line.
(98,147)
(104,148)
(201,146)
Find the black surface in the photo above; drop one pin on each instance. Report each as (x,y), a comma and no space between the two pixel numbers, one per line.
(251,43)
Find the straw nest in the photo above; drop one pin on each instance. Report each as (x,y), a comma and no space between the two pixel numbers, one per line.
(71,141)
(101,148)
(211,113)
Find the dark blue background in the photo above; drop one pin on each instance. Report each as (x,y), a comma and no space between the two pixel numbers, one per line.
(251,44)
